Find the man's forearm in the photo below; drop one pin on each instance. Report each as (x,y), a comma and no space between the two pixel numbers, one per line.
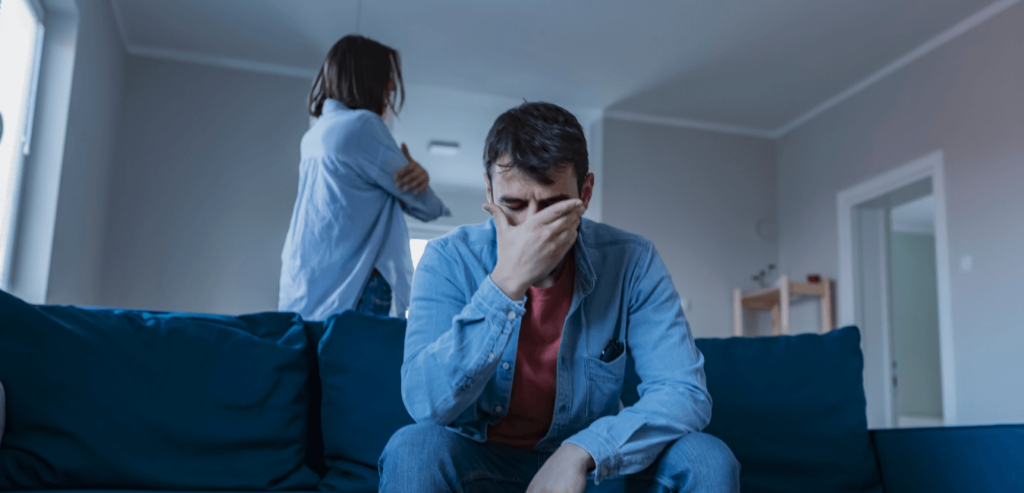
(565,470)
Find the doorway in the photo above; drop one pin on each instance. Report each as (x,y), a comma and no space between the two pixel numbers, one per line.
(894,285)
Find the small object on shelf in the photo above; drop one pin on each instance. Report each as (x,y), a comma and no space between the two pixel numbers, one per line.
(776,300)
(763,276)
(813,278)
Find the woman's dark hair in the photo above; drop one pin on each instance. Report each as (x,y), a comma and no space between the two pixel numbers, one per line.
(538,138)
(359,72)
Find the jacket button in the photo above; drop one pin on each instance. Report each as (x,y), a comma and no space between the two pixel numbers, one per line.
(497,409)
(511,314)
(490,355)
(505,366)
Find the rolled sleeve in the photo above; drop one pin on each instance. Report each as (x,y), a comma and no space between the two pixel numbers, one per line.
(607,459)
(493,297)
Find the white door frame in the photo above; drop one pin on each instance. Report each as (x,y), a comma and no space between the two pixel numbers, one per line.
(929,166)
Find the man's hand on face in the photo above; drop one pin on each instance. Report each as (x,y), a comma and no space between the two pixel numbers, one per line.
(564,472)
(530,251)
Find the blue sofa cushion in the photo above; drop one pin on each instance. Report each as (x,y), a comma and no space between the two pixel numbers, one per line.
(792,410)
(951,460)
(360,373)
(139,400)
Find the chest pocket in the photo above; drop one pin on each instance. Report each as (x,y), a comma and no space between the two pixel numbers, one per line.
(604,385)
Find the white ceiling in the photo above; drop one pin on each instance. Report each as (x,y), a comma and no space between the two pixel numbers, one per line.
(753,65)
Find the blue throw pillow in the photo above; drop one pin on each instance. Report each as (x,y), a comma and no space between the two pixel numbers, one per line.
(139,400)
(792,410)
(361,379)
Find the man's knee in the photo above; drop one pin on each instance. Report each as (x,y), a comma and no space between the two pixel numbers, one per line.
(419,442)
(421,457)
(703,460)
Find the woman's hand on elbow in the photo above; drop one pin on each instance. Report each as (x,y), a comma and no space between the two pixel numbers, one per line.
(412,178)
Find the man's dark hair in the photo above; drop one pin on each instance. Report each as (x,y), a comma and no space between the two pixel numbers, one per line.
(539,138)
(357,71)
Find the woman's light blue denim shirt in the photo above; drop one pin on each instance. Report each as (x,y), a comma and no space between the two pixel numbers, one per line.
(348,219)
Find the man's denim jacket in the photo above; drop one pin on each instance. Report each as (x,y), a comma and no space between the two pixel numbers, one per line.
(460,348)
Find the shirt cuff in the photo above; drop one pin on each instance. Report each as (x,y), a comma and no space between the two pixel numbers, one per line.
(495,297)
(606,455)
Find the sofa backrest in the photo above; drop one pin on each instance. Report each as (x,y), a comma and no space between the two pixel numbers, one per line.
(791,408)
(100,398)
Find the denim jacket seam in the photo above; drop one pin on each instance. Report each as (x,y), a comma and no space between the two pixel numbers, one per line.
(637,276)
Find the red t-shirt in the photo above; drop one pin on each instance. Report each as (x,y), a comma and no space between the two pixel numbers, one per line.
(531,406)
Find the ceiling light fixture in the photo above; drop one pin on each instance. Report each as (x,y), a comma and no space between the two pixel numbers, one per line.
(443,148)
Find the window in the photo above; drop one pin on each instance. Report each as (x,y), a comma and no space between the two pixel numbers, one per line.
(21,35)
(417,247)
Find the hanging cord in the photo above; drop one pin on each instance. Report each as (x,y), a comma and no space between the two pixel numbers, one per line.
(359,16)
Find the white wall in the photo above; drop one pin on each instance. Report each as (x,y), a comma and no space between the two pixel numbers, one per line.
(966,99)
(203,186)
(93,116)
(698,195)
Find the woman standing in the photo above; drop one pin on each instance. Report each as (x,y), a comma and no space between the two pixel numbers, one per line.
(348,244)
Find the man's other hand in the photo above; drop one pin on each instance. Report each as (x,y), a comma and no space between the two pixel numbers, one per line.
(412,178)
(563,472)
(529,251)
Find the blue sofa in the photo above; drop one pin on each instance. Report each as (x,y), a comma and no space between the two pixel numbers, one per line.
(135,400)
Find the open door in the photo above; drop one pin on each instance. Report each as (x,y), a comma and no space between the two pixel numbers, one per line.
(894,285)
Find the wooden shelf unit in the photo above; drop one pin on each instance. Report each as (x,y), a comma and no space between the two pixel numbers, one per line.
(776,300)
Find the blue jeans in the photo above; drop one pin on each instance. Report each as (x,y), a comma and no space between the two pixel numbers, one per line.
(424,457)
(376,298)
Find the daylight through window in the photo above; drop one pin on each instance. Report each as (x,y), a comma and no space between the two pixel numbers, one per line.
(417,247)
(21,33)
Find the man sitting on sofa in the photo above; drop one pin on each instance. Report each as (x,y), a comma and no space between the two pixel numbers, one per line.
(518,334)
